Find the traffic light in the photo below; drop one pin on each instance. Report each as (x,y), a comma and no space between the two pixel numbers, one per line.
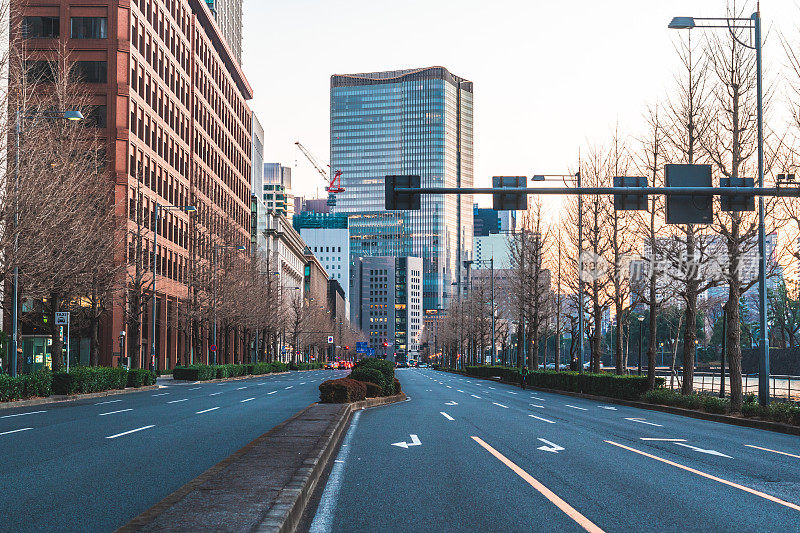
(737,203)
(406,201)
(630,202)
(346,347)
(385,344)
(509,201)
(688,208)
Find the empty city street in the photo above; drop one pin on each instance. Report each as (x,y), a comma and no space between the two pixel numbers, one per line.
(92,465)
(465,454)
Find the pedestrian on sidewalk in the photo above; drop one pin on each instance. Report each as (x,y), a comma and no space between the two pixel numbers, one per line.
(524,377)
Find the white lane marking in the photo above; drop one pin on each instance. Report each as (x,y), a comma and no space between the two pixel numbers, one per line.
(575,407)
(162,394)
(179,401)
(511,392)
(194,388)
(551,447)
(131,431)
(328,502)
(206,411)
(537,398)
(451,403)
(247,400)
(215,393)
(665,440)
(474,396)
(290,386)
(448,386)
(303,383)
(115,412)
(534,405)
(262,383)
(446,415)
(273,392)
(23,414)
(459,390)
(241,388)
(773,451)
(15,431)
(542,419)
(643,421)
(701,450)
(608,407)
(414,442)
(500,405)
(108,402)
(489,387)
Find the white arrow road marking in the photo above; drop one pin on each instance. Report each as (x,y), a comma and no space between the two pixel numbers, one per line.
(607,407)
(534,405)
(542,419)
(23,414)
(129,432)
(500,405)
(15,431)
(773,451)
(115,412)
(414,442)
(701,450)
(574,407)
(551,447)
(642,421)
(665,440)
(451,403)
(446,415)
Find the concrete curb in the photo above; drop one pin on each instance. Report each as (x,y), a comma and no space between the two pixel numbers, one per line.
(755,423)
(285,507)
(74,397)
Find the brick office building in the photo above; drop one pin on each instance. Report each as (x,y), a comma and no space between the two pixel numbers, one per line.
(173,100)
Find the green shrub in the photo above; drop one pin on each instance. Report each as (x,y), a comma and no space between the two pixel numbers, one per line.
(752,410)
(386,368)
(369,375)
(373,389)
(195,372)
(780,411)
(10,388)
(306,366)
(166,372)
(714,404)
(85,379)
(37,384)
(397,389)
(141,377)
(342,390)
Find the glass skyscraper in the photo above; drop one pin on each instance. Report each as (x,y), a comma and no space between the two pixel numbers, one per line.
(416,121)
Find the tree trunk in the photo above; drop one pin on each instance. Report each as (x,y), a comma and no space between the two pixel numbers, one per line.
(733,347)
(135,329)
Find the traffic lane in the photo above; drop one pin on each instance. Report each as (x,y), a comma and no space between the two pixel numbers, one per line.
(101,483)
(72,427)
(588,472)
(447,483)
(760,465)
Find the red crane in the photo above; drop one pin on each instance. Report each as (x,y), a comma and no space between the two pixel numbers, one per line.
(334,186)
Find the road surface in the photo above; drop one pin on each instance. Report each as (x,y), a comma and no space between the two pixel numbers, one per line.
(473,455)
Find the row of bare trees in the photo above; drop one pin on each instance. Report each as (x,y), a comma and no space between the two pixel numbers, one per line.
(633,262)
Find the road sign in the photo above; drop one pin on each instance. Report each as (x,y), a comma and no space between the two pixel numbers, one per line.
(509,201)
(330,339)
(213,347)
(62,319)
(630,202)
(688,209)
(370,351)
(402,201)
(361,347)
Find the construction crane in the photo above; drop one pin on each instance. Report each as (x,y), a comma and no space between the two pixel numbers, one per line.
(334,186)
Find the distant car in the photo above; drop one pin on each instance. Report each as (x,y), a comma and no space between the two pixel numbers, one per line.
(587,363)
(401,364)
(423,365)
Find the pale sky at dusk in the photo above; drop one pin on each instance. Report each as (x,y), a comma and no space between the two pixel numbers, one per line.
(550,76)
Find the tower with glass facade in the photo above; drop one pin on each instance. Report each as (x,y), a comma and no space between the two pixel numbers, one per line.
(415,121)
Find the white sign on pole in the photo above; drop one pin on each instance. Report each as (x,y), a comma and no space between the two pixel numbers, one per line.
(330,339)
(62,319)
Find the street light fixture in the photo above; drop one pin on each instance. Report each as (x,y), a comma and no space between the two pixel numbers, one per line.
(72,115)
(158,207)
(751,23)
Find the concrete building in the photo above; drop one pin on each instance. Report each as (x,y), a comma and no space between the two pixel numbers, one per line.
(228,14)
(328,238)
(386,303)
(286,253)
(277,193)
(163,78)
(312,205)
(487,221)
(415,121)
(315,282)
(258,220)
(486,247)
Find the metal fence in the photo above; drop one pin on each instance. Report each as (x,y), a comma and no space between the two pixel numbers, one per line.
(781,387)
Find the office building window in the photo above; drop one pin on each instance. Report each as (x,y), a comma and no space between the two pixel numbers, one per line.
(89,28)
(40,71)
(91,71)
(40,27)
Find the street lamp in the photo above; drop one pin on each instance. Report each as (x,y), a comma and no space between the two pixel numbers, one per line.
(752,23)
(72,115)
(640,318)
(188,209)
(214,268)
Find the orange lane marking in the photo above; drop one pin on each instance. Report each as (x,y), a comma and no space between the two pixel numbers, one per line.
(570,511)
(773,451)
(709,476)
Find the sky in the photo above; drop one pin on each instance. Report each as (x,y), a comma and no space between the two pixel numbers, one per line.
(550,76)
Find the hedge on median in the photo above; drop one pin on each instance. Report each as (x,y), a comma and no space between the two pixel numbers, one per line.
(342,390)
(365,371)
(784,412)
(206,372)
(610,385)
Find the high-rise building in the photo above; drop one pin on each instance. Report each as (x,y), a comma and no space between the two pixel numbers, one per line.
(228,14)
(258,221)
(328,238)
(162,79)
(416,121)
(386,303)
(488,221)
(277,191)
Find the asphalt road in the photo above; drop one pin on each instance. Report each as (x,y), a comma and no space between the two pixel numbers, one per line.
(92,465)
(473,455)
